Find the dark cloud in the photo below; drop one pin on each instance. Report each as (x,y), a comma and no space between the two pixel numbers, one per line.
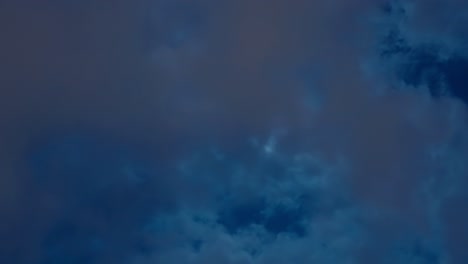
(232,131)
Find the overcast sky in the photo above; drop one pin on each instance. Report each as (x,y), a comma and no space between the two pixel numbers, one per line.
(232,132)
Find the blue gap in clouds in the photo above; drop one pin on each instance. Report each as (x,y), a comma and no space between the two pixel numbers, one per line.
(423,65)
(275,219)
(425,68)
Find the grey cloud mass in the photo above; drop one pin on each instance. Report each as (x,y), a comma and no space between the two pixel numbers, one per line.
(237,132)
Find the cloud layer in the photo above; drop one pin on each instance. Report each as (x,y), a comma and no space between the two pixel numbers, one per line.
(157,131)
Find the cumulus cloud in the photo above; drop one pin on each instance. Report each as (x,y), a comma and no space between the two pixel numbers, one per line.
(300,215)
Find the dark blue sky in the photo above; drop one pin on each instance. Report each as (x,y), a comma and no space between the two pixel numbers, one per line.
(232,132)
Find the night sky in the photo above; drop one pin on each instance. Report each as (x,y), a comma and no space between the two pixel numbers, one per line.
(233,132)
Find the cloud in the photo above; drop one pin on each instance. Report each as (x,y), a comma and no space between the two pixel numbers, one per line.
(293,217)
(232,131)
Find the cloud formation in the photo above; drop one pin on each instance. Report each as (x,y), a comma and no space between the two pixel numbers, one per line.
(233,131)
